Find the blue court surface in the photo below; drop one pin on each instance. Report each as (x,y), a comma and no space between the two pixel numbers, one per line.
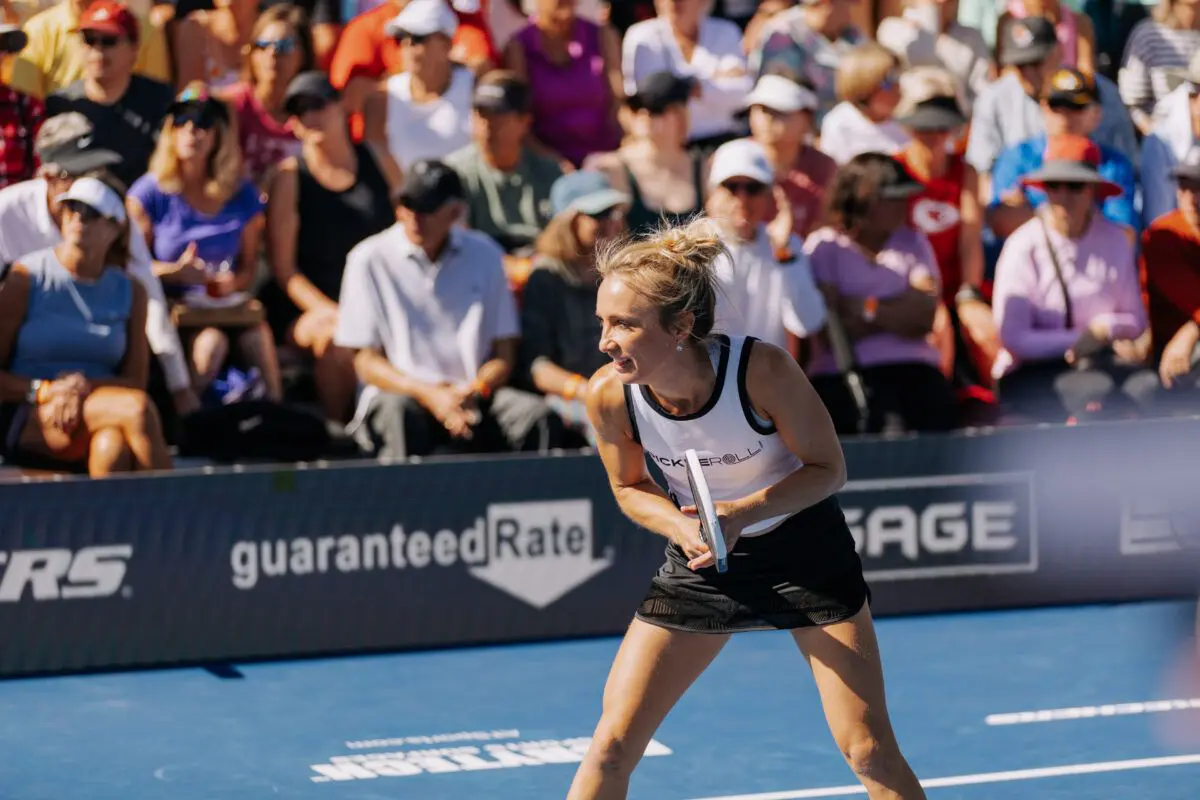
(1052,703)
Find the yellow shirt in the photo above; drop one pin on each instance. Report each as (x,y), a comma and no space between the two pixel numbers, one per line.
(54,56)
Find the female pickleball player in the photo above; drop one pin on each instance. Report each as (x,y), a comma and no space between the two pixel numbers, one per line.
(773,463)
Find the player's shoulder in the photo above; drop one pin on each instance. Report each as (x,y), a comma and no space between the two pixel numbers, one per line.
(765,361)
(606,401)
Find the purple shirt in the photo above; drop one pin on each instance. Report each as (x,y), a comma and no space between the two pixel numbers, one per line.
(218,237)
(1102,280)
(837,261)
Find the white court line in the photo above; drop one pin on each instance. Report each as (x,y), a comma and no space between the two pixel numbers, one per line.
(1089,712)
(983,777)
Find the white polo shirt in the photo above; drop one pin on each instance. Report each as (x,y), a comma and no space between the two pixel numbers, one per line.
(760,297)
(433,322)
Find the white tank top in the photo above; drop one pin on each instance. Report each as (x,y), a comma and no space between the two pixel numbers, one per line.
(739,451)
(428,130)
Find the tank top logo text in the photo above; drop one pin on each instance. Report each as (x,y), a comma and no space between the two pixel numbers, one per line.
(728,459)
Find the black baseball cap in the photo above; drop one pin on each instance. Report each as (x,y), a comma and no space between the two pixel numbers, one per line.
(500,94)
(1070,87)
(428,185)
(12,39)
(896,182)
(1028,41)
(1188,167)
(65,140)
(659,91)
(314,84)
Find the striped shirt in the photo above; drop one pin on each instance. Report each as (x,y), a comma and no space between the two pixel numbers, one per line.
(1152,48)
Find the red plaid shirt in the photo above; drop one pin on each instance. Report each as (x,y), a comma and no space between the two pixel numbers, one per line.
(20,118)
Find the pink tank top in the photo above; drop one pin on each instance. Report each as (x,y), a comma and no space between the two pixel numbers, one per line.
(571,100)
(1068,33)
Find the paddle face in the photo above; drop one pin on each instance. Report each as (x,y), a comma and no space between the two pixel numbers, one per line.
(710,525)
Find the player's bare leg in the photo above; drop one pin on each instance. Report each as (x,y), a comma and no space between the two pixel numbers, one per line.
(845,662)
(652,670)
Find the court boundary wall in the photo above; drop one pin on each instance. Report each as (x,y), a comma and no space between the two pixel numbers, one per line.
(276,562)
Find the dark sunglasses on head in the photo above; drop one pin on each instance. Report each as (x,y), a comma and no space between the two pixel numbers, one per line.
(306,104)
(751,188)
(1062,186)
(200,119)
(282,47)
(100,40)
(85,212)
(1065,108)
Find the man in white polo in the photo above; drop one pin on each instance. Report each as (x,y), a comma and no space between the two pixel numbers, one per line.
(427,308)
(767,289)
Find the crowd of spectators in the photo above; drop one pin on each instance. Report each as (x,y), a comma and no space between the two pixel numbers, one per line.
(368,227)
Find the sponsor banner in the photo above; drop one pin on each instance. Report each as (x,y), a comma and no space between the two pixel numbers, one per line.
(266,562)
(943,526)
(455,753)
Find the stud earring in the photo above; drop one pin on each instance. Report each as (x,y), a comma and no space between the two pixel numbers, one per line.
(679,347)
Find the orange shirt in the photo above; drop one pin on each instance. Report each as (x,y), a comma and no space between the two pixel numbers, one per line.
(1170,272)
(365,51)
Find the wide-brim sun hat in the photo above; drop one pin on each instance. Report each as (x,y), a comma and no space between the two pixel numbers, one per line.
(1072,159)
(934,114)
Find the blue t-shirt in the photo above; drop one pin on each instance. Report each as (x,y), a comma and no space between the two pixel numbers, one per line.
(218,237)
(1021,159)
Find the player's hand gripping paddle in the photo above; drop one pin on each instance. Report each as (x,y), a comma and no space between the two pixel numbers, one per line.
(706,512)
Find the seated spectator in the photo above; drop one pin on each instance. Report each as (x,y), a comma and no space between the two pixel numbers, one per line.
(686,41)
(1008,112)
(1170,271)
(54,59)
(927,33)
(435,356)
(507,183)
(424,112)
(664,180)
(1074,32)
(368,52)
(125,109)
(781,120)
(1157,47)
(767,291)
(73,337)
(208,43)
(280,49)
(881,285)
(868,86)
(806,43)
(560,334)
(573,67)
(31,219)
(1067,300)
(1176,128)
(194,206)
(947,211)
(20,118)
(1070,107)
(322,203)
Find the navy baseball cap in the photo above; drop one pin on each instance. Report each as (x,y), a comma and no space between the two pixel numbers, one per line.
(428,185)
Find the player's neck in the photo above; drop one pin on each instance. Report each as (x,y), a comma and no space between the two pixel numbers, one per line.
(688,383)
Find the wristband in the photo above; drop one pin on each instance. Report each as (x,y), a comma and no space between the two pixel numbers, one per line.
(870,307)
(967,294)
(482,389)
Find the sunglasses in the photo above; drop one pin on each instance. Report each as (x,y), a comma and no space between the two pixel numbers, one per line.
(415,39)
(749,188)
(282,47)
(86,213)
(101,41)
(1060,186)
(199,118)
(614,213)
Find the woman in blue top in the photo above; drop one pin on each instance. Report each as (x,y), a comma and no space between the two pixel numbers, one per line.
(203,222)
(73,347)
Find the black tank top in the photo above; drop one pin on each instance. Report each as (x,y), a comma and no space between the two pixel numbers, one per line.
(332,223)
(642,219)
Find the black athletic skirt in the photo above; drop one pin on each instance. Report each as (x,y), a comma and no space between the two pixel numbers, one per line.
(804,573)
